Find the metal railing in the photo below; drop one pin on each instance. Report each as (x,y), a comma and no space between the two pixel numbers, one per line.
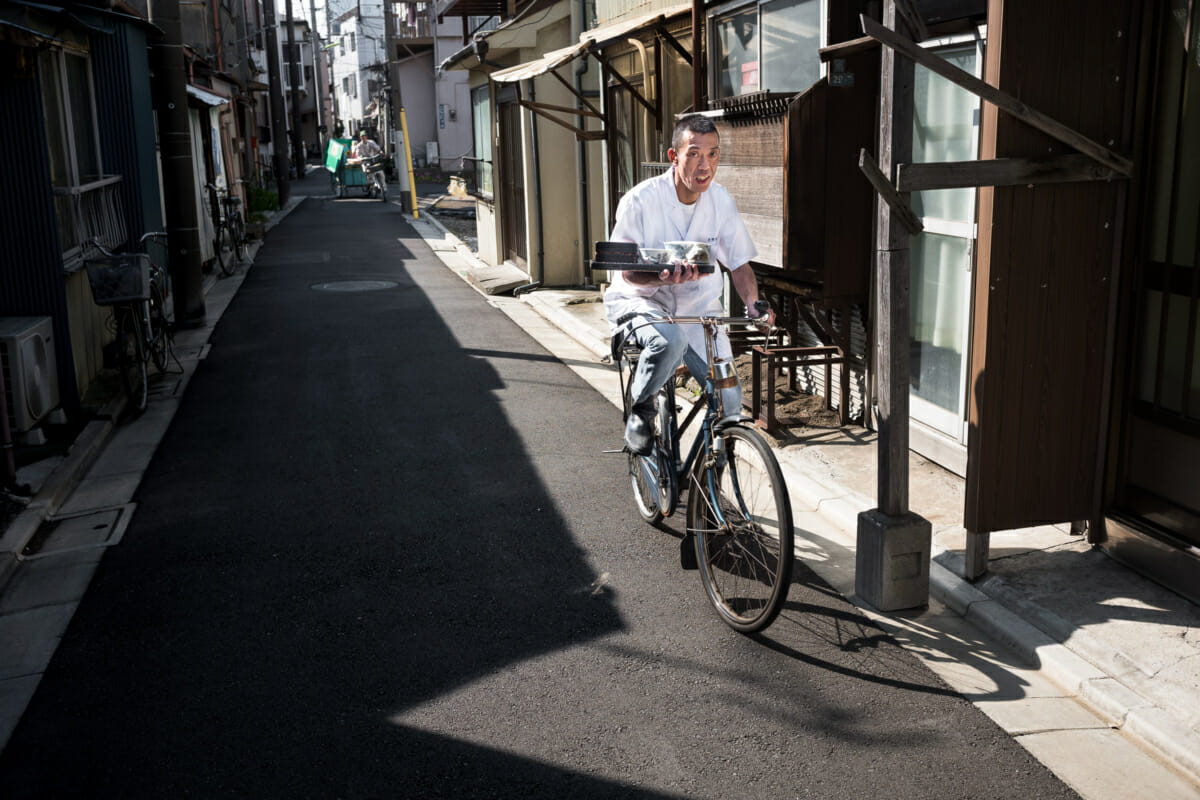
(91,211)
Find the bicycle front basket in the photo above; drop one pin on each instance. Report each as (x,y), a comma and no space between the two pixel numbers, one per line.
(119,279)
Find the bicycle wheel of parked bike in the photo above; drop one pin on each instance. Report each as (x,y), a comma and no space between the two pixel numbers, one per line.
(131,360)
(238,232)
(160,340)
(653,476)
(742,519)
(226,255)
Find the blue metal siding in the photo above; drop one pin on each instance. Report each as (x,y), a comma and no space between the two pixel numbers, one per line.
(31,277)
(121,73)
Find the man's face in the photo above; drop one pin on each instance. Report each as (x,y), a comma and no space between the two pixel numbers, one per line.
(695,163)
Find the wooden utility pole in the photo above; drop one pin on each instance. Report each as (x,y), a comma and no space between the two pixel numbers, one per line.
(893,551)
(279,159)
(294,79)
(179,184)
(391,79)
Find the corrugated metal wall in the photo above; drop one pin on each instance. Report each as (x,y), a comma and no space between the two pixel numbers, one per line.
(31,278)
(126,120)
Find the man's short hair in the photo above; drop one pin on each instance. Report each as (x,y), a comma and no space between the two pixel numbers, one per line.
(698,124)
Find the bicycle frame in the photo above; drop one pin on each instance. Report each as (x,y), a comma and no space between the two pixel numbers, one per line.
(709,401)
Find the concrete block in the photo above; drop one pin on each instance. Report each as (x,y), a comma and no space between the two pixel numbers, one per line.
(892,560)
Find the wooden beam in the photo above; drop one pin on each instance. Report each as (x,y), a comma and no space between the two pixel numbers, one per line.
(582,99)
(888,193)
(580,134)
(629,86)
(1003,101)
(908,11)
(674,43)
(843,49)
(564,109)
(1068,168)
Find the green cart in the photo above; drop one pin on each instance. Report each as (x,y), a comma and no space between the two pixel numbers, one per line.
(345,176)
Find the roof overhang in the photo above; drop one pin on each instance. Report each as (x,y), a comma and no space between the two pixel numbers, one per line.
(594,39)
(514,34)
(593,42)
(206,96)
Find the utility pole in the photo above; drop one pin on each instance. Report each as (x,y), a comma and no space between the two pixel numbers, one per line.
(298,157)
(391,76)
(279,160)
(317,88)
(894,544)
(175,133)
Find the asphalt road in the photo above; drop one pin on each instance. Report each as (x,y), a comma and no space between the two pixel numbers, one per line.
(381,553)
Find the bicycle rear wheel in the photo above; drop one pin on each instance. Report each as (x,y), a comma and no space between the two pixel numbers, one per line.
(131,360)
(739,511)
(652,476)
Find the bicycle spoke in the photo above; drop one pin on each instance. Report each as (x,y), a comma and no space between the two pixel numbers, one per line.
(739,514)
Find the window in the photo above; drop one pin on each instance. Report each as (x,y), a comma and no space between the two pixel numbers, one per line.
(354,85)
(481,111)
(352,43)
(71,134)
(770,46)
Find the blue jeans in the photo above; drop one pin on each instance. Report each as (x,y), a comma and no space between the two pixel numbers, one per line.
(664,348)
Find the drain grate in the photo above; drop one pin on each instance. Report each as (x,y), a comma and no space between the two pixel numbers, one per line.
(83,531)
(354,286)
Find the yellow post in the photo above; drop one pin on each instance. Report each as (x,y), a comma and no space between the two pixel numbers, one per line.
(412,181)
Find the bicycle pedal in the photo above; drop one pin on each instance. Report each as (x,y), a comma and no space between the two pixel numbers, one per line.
(622,450)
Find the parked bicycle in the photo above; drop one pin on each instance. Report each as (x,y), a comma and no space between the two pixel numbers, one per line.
(230,241)
(739,517)
(137,290)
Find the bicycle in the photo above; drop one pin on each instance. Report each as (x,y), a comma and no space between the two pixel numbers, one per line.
(230,242)
(136,289)
(739,519)
(374,166)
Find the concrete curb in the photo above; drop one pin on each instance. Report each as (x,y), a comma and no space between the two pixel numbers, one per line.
(58,486)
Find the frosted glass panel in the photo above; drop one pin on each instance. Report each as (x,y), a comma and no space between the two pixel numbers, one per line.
(939,312)
(945,125)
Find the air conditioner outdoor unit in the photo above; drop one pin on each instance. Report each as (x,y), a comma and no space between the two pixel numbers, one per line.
(30,374)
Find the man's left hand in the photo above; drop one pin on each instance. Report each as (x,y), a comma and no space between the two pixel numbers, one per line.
(682,272)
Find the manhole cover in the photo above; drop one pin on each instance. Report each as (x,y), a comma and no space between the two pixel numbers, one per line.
(81,531)
(354,286)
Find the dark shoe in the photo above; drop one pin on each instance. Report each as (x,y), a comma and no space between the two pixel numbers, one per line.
(687,552)
(639,434)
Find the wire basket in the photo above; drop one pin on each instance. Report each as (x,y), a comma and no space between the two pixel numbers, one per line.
(119,279)
(374,163)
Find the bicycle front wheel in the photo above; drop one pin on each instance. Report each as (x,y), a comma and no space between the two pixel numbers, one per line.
(131,360)
(160,338)
(226,258)
(739,511)
(238,233)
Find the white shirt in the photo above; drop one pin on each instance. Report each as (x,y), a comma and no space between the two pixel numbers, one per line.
(365,149)
(650,214)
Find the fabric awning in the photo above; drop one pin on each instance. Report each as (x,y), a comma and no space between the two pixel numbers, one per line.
(540,66)
(206,96)
(596,37)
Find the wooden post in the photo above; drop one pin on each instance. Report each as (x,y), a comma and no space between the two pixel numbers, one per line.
(893,551)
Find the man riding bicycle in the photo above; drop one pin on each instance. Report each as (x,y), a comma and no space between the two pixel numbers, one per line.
(682,204)
(364,149)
